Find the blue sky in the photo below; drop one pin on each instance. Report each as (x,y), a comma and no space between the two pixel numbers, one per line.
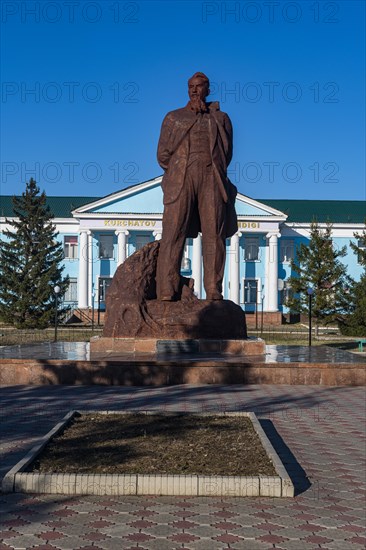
(103,74)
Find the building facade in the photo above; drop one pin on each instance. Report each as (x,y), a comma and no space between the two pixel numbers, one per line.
(98,234)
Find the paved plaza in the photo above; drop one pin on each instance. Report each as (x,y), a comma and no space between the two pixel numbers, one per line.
(319,433)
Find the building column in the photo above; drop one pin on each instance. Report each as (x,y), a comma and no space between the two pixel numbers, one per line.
(83,269)
(197,265)
(234,268)
(122,238)
(271,292)
(157,235)
(90,269)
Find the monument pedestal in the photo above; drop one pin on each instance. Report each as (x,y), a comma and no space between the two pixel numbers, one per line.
(132,310)
(117,346)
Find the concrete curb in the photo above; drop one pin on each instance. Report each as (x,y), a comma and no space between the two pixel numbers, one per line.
(19,481)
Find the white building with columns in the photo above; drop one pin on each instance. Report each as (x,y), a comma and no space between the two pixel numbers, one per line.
(98,234)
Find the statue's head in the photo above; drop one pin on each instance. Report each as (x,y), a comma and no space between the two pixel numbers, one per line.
(198,87)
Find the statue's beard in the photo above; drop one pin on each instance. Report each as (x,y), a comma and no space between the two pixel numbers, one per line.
(198,104)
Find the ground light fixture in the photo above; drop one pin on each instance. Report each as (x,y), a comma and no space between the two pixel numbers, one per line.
(310,292)
(56,290)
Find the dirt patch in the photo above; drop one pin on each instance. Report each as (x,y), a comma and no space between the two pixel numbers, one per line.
(156,444)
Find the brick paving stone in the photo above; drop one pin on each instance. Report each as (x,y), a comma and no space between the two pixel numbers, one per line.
(17,522)
(183,538)
(358,540)
(104,513)
(344,518)
(298,545)
(205,543)
(272,539)
(335,534)
(225,514)
(315,424)
(361,522)
(264,515)
(51,535)
(269,527)
(202,531)
(141,524)
(310,527)
(23,541)
(139,537)
(339,545)
(5,515)
(144,513)
(162,530)
(117,530)
(201,519)
(285,522)
(328,522)
(291,533)
(184,524)
(64,513)
(86,507)
(353,528)
(306,517)
(98,524)
(228,538)
(185,514)
(37,516)
(119,507)
(156,544)
(226,525)
(82,518)
(115,543)
(29,529)
(185,503)
(74,529)
(161,517)
(54,524)
(251,544)
(71,542)
(360,513)
(94,537)
(318,539)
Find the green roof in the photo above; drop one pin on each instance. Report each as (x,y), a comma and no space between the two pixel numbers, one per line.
(300,211)
(304,211)
(61,207)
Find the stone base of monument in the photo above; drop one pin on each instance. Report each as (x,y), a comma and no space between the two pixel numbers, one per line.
(133,311)
(111,346)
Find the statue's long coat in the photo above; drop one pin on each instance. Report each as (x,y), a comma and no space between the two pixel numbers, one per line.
(173,153)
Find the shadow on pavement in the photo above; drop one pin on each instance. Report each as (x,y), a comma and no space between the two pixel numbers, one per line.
(295,471)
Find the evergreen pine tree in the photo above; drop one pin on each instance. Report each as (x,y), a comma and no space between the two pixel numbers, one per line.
(317,265)
(360,247)
(355,323)
(30,263)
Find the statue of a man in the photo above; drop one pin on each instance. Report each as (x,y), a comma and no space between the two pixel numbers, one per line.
(195,149)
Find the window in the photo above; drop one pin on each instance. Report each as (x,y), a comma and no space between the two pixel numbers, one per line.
(251,249)
(286,293)
(71,294)
(106,246)
(141,240)
(71,246)
(250,291)
(287,250)
(104,284)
